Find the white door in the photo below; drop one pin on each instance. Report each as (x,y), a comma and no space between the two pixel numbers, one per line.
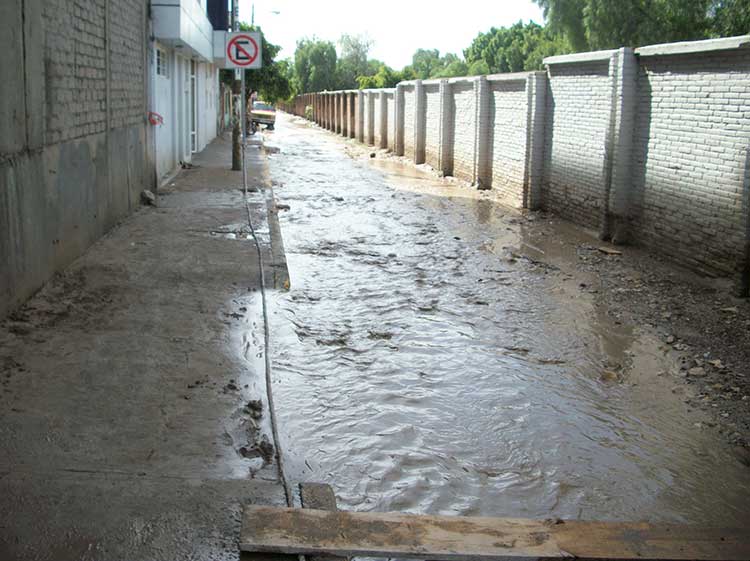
(163,106)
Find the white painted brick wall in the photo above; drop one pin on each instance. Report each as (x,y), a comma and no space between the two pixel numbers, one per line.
(691,143)
(661,141)
(464,121)
(577,116)
(410,107)
(391,128)
(377,117)
(508,114)
(432,128)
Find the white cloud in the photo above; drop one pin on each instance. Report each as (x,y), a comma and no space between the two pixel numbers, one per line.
(397,27)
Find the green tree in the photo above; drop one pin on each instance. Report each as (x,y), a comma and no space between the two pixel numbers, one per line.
(730,17)
(605,24)
(566,17)
(353,61)
(456,68)
(426,62)
(514,49)
(385,77)
(314,66)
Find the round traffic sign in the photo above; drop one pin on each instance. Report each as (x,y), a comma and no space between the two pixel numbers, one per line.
(242,50)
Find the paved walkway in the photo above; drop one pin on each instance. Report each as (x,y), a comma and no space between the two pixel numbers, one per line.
(124,426)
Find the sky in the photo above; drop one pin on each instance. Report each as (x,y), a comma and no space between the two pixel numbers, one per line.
(396,27)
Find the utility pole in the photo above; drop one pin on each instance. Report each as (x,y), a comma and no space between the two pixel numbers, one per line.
(239,96)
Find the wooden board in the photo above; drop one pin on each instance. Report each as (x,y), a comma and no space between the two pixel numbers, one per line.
(448,538)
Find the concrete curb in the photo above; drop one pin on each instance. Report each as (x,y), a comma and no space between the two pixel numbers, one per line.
(277,270)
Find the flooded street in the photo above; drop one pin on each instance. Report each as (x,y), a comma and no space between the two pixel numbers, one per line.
(438,353)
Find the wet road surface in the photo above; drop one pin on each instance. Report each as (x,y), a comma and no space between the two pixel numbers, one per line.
(439,353)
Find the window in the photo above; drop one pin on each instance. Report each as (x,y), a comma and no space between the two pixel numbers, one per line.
(162,64)
(193,107)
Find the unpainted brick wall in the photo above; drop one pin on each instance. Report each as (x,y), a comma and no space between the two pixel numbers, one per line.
(690,157)
(76,68)
(578,110)
(127,45)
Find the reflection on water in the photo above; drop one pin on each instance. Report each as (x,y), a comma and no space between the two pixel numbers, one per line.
(434,356)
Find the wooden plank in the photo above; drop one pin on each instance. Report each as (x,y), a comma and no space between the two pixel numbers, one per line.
(448,538)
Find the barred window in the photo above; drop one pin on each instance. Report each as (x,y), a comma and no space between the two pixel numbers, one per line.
(162,64)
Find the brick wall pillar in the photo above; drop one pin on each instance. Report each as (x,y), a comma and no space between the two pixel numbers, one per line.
(383,122)
(370,129)
(332,109)
(360,116)
(420,122)
(623,72)
(329,112)
(326,111)
(536,96)
(482,176)
(398,100)
(337,99)
(344,113)
(743,267)
(348,121)
(445,132)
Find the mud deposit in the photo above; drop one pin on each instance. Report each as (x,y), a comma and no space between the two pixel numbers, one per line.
(440,353)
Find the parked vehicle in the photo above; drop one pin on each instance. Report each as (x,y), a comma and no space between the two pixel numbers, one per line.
(262,113)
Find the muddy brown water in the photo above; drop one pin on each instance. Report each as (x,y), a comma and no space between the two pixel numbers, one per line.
(436,355)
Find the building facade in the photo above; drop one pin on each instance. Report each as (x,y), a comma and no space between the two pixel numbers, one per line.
(187,99)
(99,100)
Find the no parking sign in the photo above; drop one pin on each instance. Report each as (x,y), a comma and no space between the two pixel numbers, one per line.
(243,50)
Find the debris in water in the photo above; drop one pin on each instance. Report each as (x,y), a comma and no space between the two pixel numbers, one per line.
(148,198)
(609,251)
(255,408)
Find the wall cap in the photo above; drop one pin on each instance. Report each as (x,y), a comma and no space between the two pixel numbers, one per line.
(686,47)
(511,76)
(593,56)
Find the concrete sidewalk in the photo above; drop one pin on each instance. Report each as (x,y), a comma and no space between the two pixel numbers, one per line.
(124,426)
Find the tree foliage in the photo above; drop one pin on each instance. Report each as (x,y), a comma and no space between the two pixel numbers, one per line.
(315,66)
(385,77)
(516,48)
(353,61)
(730,17)
(571,26)
(608,24)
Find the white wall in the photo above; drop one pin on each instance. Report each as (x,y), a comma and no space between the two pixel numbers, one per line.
(172,102)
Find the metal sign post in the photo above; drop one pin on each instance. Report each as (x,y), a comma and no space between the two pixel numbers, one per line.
(243,109)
